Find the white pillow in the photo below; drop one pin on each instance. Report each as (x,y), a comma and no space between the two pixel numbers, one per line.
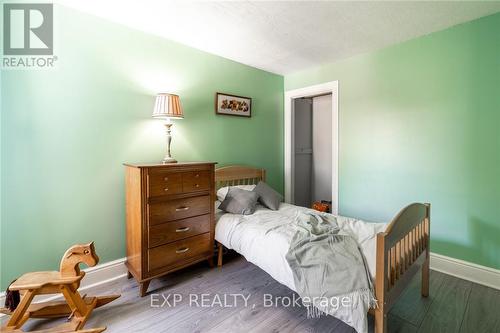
(222,192)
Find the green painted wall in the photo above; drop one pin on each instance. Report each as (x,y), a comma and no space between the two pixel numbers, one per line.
(420,121)
(66,132)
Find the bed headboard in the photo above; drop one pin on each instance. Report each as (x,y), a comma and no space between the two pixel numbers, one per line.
(238,175)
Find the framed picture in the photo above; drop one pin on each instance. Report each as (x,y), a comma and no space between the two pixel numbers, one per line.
(233,105)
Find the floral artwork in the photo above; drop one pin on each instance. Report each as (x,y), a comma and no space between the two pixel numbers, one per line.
(233,105)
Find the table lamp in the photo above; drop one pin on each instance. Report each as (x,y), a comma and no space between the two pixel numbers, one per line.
(168,106)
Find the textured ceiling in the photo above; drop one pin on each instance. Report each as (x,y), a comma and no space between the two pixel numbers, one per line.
(286,36)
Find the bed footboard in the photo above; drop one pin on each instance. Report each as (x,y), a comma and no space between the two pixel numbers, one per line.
(402,250)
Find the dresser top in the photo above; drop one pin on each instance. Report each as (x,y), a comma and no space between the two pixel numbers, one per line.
(153,165)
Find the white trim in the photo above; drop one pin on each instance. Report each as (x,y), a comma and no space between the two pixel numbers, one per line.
(318,89)
(114,270)
(486,276)
(94,276)
(104,273)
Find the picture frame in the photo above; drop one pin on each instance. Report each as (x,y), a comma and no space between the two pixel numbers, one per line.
(233,105)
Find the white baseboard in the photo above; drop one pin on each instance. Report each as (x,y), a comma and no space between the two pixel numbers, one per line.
(113,270)
(486,276)
(104,273)
(94,276)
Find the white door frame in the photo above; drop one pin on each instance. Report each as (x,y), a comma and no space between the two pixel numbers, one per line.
(319,89)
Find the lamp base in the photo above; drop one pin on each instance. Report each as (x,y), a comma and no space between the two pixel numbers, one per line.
(168,160)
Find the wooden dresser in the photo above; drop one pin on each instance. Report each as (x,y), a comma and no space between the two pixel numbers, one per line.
(170,218)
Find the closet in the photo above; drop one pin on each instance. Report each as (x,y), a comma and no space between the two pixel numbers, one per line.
(312,141)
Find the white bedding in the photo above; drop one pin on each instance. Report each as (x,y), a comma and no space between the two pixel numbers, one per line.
(264,237)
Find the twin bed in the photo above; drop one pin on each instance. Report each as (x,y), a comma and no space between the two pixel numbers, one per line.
(394,252)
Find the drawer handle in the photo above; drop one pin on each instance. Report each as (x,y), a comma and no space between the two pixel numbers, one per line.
(185,249)
(196,185)
(165,189)
(181,209)
(197,175)
(165,179)
(182,229)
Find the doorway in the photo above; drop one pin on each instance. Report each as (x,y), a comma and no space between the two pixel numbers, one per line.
(311,145)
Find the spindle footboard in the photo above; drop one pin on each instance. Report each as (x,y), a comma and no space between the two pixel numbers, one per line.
(402,251)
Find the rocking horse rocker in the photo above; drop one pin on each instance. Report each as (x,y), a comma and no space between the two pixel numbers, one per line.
(65,281)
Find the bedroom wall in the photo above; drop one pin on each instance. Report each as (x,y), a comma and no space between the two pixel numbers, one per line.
(419,121)
(65,133)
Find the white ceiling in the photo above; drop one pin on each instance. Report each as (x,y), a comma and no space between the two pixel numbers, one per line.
(286,36)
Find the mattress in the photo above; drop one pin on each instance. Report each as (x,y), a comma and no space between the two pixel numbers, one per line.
(264,237)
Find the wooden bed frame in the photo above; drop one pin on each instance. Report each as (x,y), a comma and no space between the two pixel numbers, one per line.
(402,250)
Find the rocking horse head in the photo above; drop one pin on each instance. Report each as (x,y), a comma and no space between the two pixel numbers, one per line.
(79,253)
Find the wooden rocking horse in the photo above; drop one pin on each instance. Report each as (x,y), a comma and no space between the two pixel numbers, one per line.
(65,281)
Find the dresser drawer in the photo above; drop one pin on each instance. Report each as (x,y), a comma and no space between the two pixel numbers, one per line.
(172,231)
(178,209)
(174,253)
(195,181)
(163,183)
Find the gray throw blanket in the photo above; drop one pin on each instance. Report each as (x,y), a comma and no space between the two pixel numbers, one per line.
(329,270)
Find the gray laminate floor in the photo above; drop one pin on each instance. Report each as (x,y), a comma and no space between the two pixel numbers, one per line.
(454,305)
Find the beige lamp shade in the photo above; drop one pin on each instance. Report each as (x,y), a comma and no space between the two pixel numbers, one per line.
(168,106)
